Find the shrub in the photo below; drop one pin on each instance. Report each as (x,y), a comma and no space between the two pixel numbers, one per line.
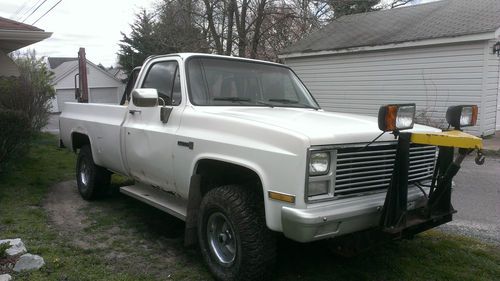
(15,132)
(24,105)
(30,92)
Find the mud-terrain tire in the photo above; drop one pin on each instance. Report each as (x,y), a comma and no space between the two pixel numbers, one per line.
(92,180)
(233,217)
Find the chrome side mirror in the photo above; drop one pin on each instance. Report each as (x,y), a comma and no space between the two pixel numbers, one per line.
(145,97)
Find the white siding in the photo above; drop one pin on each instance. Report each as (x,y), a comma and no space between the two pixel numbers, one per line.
(492,91)
(7,66)
(103,95)
(102,87)
(64,95)
(434,77)
(96,79)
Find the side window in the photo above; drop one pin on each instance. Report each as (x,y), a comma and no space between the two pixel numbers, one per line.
(165,78)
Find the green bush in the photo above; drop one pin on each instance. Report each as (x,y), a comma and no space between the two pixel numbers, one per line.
(24,105)
(15,132)
(30,92)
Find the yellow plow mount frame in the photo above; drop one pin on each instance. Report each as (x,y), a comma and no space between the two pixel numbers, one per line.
(448,138)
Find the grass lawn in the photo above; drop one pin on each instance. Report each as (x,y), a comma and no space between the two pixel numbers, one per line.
(122,239)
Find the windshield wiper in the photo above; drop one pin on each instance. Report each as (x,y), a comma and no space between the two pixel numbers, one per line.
(287,101)
(232,99)
(264,103)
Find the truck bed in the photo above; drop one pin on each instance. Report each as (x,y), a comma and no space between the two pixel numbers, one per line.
(102,123)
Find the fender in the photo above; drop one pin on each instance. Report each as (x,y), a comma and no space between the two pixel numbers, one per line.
(195,197)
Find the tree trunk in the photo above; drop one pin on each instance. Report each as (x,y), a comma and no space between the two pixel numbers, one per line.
(241,18)
(211,27)
(230,24)
(261,9)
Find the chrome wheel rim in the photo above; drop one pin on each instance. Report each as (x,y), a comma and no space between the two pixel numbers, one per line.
(221,240)
(84,173)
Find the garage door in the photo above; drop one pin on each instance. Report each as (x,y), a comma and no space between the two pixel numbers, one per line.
(104,95)
(66,95)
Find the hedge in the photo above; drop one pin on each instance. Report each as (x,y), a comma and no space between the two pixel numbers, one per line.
(15,133)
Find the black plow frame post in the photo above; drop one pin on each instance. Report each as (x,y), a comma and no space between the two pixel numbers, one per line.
(440,197)
(396,200)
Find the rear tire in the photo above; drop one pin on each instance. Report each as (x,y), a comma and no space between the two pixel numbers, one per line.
(92,180)
(234,239)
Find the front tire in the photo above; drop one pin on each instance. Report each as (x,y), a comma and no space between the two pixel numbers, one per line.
(234,239)
(92,180)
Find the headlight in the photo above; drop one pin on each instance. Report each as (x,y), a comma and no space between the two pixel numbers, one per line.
(319,163)
(396,117)
(461,116)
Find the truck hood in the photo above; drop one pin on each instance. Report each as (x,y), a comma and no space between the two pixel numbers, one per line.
(320,127)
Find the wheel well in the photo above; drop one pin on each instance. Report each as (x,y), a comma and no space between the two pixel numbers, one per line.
(216,173)
(78,140)
(210,174)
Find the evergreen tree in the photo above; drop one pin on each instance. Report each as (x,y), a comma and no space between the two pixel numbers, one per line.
(348,7)
(140,44)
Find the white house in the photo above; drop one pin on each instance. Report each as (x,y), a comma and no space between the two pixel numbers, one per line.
(13,36)
(103,86)
(436,54)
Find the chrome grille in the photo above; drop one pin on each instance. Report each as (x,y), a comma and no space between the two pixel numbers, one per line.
(371,169)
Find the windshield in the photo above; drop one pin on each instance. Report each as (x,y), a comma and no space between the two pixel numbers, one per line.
(227,82)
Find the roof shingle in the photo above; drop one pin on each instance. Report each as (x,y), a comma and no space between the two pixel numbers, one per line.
(9,24)
(54,62)
(446,18)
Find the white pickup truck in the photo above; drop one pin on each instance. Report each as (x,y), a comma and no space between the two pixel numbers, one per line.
(241,151)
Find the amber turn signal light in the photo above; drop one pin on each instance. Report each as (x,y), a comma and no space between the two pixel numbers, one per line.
(396,117)
(459,116)
(281,197)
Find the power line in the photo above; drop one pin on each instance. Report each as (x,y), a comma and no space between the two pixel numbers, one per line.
(24,13)
(47,12)
(35,10)
(14,15)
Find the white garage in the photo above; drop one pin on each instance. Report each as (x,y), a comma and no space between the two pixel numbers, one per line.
(103,87)
(436,55)
(62,96)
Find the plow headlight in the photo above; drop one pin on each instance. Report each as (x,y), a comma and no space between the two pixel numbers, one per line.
(461,116)
(396,117)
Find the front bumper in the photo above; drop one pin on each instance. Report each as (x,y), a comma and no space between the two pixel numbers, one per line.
(339,217)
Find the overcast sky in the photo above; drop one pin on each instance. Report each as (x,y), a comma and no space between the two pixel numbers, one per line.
(93,24)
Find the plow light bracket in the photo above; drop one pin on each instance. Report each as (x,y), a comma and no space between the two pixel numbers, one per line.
(396,117)
(460,116)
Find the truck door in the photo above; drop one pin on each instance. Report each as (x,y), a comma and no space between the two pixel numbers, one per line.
(148,142)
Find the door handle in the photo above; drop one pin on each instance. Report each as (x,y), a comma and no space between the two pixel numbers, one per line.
(188,144)
(134,111)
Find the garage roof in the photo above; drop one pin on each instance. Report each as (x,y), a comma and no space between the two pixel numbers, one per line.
(54,62)
(441,19)
(63,66)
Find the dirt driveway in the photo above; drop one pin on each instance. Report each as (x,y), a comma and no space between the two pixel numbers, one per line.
(131,236)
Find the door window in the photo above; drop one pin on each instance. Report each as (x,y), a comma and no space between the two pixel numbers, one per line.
(165,78)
